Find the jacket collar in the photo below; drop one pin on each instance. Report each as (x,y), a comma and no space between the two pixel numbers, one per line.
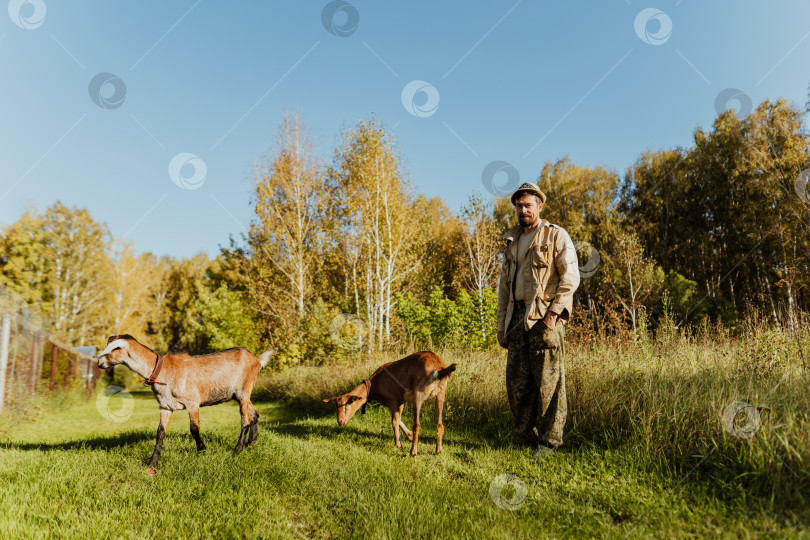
(514,233)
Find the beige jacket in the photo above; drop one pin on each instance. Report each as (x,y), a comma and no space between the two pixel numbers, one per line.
(552,276)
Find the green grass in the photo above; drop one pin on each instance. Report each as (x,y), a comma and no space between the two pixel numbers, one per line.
(645,454)
(71,473)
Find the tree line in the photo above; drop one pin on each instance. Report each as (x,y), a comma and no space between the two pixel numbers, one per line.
(714,232)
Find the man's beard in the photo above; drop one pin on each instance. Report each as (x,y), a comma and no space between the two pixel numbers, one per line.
(525,220)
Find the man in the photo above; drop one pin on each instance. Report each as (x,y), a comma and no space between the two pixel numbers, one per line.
(539,275)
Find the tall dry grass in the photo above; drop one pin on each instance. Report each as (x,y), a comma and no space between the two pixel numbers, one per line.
(661,398)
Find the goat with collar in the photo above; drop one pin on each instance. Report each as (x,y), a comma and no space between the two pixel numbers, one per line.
(182,381)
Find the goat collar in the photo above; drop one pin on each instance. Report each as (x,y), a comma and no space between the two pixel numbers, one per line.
(156,371)
(367,382)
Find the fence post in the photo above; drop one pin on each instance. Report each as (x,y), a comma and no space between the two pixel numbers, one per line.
(32,380)
(5,334)
(88,374)
(52,380)
(68,369)
(96,373)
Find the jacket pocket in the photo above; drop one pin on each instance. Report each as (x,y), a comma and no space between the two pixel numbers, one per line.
(540,256)
(549,336)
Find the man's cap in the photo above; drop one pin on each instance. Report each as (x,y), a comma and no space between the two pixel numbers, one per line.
(528,187)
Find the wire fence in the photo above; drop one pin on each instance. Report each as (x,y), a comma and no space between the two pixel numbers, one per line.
(33,362)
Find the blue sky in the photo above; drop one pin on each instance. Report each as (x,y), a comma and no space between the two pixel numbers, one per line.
(522,82)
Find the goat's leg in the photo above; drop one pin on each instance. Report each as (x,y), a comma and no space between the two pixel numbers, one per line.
(165,416)
(408,432)
(244,409)
(439,425)
(417,406)
(254,424)
(194,425)
(395,421)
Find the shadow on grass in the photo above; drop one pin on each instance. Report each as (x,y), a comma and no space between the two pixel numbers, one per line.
(290,411)
(358,433)
(289,419)
(94,443)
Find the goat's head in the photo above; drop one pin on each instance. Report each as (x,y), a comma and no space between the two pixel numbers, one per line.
(116,351)
(347,405)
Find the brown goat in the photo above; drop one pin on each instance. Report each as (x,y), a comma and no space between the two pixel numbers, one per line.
(181,381)
(414,379)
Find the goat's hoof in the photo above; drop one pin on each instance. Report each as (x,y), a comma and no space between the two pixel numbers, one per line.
(201,450)
(150,472)
(410,437)
(397,445)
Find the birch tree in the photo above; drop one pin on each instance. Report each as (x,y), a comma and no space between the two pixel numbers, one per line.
(135,281)
(632,277)
(57,262)
(481,240)
(481,235)
(288,231)
(381,230)
(79,283)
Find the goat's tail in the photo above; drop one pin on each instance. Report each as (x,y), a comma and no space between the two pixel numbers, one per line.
(447,371)
(442,373)
(266,356)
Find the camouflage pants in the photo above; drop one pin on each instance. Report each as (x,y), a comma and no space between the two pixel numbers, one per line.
(535,381)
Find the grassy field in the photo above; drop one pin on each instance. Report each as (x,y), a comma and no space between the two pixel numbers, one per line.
(646,454)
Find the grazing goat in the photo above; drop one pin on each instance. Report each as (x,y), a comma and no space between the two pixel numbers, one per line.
(181,381)
(414,379)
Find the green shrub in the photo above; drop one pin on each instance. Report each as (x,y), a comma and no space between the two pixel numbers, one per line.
(468,321)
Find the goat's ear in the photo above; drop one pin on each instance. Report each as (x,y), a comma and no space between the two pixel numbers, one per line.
(327,400)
